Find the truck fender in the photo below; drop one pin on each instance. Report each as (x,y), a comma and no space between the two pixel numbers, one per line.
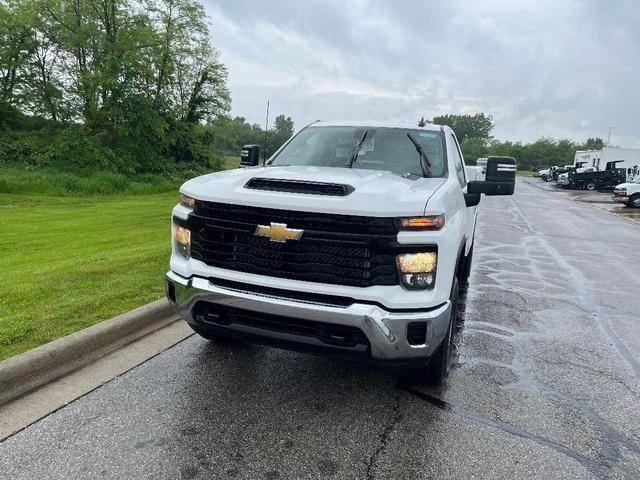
(461,259)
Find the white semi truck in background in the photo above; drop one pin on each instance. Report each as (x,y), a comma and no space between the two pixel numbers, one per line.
(628,158)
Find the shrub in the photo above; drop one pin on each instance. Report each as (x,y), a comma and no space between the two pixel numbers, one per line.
(73,148)
(81,183)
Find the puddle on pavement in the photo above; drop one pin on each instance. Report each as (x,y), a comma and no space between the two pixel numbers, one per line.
(626,212)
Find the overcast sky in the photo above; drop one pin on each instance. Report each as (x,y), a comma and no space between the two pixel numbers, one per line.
(542,68)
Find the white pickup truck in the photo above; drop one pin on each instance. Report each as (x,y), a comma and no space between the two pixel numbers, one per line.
(628,193)
(352,239)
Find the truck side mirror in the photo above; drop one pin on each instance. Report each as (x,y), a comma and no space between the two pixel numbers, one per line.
(500,178)
(250,156)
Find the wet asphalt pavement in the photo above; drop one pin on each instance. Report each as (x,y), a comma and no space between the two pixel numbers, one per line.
(546,384)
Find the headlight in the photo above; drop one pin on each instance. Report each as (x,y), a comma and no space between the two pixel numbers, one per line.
(187,201)
(418,270)
(182,241)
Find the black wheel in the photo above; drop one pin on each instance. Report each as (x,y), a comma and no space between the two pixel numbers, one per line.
(440,362)
(208,335)
(591,186)
(634,201)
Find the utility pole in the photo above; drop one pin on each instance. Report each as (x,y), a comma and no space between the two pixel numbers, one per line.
(266,129)
(609,136)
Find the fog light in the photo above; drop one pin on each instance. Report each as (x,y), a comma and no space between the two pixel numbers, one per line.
(418,270)
(182,241)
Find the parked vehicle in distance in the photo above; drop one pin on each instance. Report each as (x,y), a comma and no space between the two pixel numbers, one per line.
(624,157)
(546,174)
(596,180)
(482,163)
(628,193)
(353,239)
(567,179)
(551,174)
(476,172)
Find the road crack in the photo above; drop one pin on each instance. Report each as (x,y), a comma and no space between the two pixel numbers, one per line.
(384,437)
(600,467)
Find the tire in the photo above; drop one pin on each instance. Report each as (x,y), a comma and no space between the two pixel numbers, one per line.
(591,186)
(207,335)
(440,362)
(634,201)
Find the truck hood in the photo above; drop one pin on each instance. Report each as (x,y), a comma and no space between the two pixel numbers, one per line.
(375,193)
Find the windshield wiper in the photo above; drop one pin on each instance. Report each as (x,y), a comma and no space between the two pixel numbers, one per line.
(356,149)
(424,160)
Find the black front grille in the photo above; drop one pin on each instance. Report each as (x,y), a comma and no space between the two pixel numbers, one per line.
(331,334)
(299,186)
(337,249)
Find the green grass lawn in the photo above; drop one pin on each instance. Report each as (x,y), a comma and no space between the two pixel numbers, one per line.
(526,173)
(67,263)
(231,162)
(70,258)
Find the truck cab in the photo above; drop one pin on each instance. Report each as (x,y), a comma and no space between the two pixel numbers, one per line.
(353,239)
(628,193)
(601,179)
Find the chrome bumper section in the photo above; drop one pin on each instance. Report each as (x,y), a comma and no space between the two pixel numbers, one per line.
(385,330)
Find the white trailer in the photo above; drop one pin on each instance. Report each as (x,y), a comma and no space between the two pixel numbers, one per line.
(586,158)
(628,158)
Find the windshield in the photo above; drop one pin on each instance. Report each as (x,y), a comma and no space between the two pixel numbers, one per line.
(636,179)
(388,149)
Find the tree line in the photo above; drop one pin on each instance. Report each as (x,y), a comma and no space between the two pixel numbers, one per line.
(476,141)
(124,85)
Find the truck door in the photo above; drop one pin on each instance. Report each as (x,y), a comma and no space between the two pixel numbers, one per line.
(461,173)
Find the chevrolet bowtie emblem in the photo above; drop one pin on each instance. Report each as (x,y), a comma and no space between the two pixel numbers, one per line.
(278,232)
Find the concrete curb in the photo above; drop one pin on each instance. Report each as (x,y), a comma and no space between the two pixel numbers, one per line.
(25,372)
(587,198)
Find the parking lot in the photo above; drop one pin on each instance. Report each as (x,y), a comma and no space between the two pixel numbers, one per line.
(546,382)
(602,199)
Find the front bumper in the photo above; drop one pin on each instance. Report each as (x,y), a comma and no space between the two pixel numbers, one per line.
(620,199)
(386,331)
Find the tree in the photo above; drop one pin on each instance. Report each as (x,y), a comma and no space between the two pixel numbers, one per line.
(230,134)
(129,73)
(592,144)
(187,77)
(282,131)
(283,126)
(468,126)
(474,148)
(16,47)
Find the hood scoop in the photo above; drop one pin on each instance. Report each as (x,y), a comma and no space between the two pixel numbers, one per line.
(300,186)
